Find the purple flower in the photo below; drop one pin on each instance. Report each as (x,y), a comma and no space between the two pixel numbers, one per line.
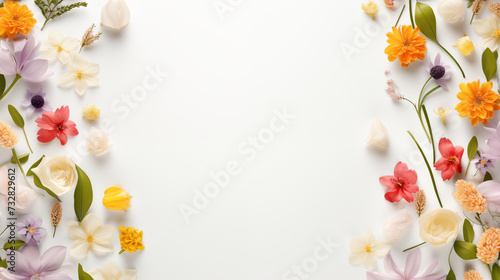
(491,191)
(410,271)
(494,142)
(30,265)
(483,161)
(32,229)
(35,102)
(20,57)
(439,71)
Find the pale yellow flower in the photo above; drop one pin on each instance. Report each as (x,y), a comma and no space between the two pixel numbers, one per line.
(465,45)
(371,8)
(91,113)
(365,250)
(442,114)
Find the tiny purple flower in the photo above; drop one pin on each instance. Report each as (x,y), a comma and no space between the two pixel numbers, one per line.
(35,102)
(483,161)
(439,71)
(31,229)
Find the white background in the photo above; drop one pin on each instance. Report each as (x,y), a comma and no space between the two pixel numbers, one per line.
(315,179)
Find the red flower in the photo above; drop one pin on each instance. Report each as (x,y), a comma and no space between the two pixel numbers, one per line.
(451,160)
(56,124)
(401,185)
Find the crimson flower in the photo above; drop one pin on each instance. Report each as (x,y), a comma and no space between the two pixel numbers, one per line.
(401,185)
(451,160)
(56,124)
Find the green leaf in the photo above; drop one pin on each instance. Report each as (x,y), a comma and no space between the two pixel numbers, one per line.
(35,165)
(22,159)
(468,231)
(39,184)
(13,245)
(3,83)
(426,20)
(487,177)
(3,263)
(495,273)
(489,63)
(83,194)
(16,117)
(451,275)
(472,148)
(465,250)
(495,54)
(82,275)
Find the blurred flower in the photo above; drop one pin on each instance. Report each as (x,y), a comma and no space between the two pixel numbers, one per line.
(494,8)
(489,29)
(482,161)
(451,160)
(439,72)
(491,191)
(442,114)
(472,275)
(81,75)
(131,239)
(401,185)
(466,194)
(394,227)
(377,137)
(89,235)
(115,14)
(29,264)
(91,113)
(115,198)
(31,229)
(406,44)
(370,8)
(366,249)
(35,102)
(59,47)
(447,221)
(389,3)
(98,142)
(8,137)
(451,11)
(464,45)
(494,141)
(488,246)
(15,19)
(410,272)
(56,124)
(112,272)
(24,194)
(57,173)
(478,101)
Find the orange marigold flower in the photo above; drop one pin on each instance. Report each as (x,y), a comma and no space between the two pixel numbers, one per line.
(472,275)
(478,102)
(489,245)
(15,18)
(131,239)
(8,137)
(468,196)
(406,44)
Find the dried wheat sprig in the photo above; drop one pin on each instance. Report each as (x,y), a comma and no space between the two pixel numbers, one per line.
(55,216)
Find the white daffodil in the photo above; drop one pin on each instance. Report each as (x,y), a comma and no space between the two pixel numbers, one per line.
(489,29)
(366,249)
(81,75)
(90,235)
(112,272)
(59,47)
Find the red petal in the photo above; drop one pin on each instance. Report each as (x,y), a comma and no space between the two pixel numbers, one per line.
(394,195)
(446,148)
(63,138)
(45,136)
(387,181)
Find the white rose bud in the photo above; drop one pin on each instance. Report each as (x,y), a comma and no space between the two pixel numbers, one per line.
(98,142)
(115,14)
(394,227)
(57,173)
(24,195)
(451,11)
(377,137)
(439,226)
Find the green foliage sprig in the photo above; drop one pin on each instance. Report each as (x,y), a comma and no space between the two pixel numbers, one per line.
(51,9)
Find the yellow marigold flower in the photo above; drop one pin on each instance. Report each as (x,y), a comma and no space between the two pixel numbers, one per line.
(472,275)
(131,239)
(442,114)
(8,137)
(464,45)
(91,113)
(468,196)
(478,102)
(115,198)
(406,44)
(371,8)
(15,19)
(489,245)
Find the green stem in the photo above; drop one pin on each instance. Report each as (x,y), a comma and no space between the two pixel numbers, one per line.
(430,132)
(461,70)
(54,235)
(121,252)
(20,166)
(17,78)
(449,257)
(411,15)
(419,103)
(428,168)
(420,118)
(472,18)
(27,141)
(4,230)
(43,26)
(478,218)
(467,169)
(400,14)
(411,248)
(489,269)
(428,93)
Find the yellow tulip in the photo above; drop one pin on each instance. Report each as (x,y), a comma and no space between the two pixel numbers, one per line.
(115,198)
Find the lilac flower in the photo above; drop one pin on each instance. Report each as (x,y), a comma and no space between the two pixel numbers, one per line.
(439,71)
(491,191)
(494,142)
(30,265)
(410,272)
(35,102)
(483,161)
(32,230)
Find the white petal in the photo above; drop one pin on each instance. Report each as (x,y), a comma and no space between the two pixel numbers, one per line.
(56,37)
(482,27)
(101,248)
(75,232)
(90,224)
(63,57)
(129,274)
(80,86)
(79,249)
(66,80)
(92,69)
(92,81)
(103,234)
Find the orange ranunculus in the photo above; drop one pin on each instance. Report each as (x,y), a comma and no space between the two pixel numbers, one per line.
(478,102)
(406,44)
(15,19)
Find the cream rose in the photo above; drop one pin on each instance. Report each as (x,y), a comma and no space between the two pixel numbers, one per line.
(451,11)
(57,173)
(98,142)
(439,226)
(24,194)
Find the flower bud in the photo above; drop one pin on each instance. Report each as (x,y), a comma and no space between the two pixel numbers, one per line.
(115,14)
(115,198)
(377,137)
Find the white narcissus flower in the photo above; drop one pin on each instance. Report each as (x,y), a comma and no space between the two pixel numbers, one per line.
(394,227)
(366,249)
(24,194)
(112,272)
(59,47)
(489,29)
(90,235)
(98,142)
(115,14)
(451,11)
(377,138)
(81,75)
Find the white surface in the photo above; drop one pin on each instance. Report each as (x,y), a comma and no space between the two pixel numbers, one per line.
(314,180)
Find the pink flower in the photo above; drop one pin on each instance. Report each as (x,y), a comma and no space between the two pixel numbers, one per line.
(491,191)
(401,185)
(56,124)
(451,159)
